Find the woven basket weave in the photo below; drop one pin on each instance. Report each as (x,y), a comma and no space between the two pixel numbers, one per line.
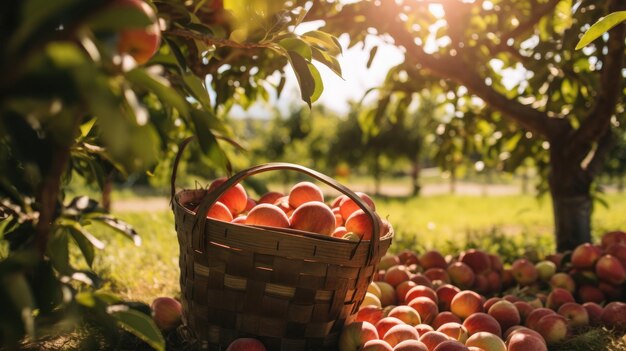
(292,290)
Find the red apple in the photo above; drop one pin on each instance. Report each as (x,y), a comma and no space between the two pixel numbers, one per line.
(526,342)
(270,197)
(411,345)
(481,285)
(524,309)
(241,219)
(437,274)
(585,256)
(388,293)
(520,329)
(465,303)
(486,341)
(590,293)
(421,290)
(432,259)
(575,314)
(235,198)
(433,338)
(478,260)
(564,281)
(355,335)
(361,224)
(614,315)
(536,315)
(166,312)
(423,328)
(399,333)
(445,294)
(461,275)
(524,271)
(505,313)
(406,314)
(451,345)
(246,344)
(315,217)
(454,331)
(283,204)
(386,323)
(339,232)
(553,328)
(594,311)
(445,317)
(557,297)
(403,288)
(496,263)
(611,270)
(492,300)
(304,192)
(618,250)
(377,345)
(396,275)
(613,237)
(425,307)
(494,282)
(140,43)
(482,322)
(421,279)
(370,314)
(348,206)
(220,212)
(611,291)
(408,257)
(267,215)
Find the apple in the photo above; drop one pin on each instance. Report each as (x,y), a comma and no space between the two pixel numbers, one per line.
(313,216)
(339,232)
(337,201)
(455,331)
(481,285)
(618,250)
(411,345)
(564,281)
(465,303)
(388,261)
(611,270)
(339,220)
(270,197)
(388,293)
(403,288)
(421,279)
(612,238)
(421,290)
(594,311)
(496,263)
(399,333)
(304,192)
(241,219)
(478,260)
(423,328)
(371,300)
(361,223)
(283,204)
(486,341)
(505,313)
(526,342)
(524,271)
(557,297)
(451,345)
(220,212)
(482,322)
(267,215)
(425,307)
(557,258)
(614,315)
(386,323)
(235,198)
(369,313)
(494,281)
(355,335)
(246,344)
(575,314)
(437,274)
(396,275)
(375,289)
(408,257)
(443,318)
(461,275)
(611,291)
(590,293)
(250,205)
(536,315)
(507,278)
(432,259)
(433,338)
(140,43)
(407,314)
(445,294)
(545,270)
(585,256)
(492,300)
(524,309)
(520,329)
(377,345)
(348,206)
(166,312)
(553,328)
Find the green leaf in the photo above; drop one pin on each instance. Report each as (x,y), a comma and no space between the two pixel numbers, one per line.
(323,40)
(197,89)
(166,94)
(211,122)
(319,84)
(16,286)
(298,46)
(58,251)
(304,76)
(86,127)
(208,142)
(86,242)
(114,18)
(139,324)
(601,27)
(180,58)
(118,225)
(372,55)
(328,60)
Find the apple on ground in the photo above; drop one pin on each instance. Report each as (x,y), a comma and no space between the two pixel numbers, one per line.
(564,281)
(505,313)
(614,314)
(369,313)
(454,331)
(490,302)
(437,274)
(545,270)
(613,237)
(406,314)
(553,328)
(421,290)
(536,315)
(445,294)
(411,345)
(478,260)
(465,303)
(524,309)
(520,329)
(558,297)
(246,344)
(388,261)
(482,322)
(396,275)
(445,317)
(461,275)
(423,328)
(526,342)
(421,279)
(433,338)
(166,312)
(403,288)
(451,345)
(575,314)
(432,259)
(590,293)
(585,256)
(377,345)
(355,335)
(387,323)
(594,311)
(388,293)
(524,271)
(399,333)
(611,270)
(425,307)
(486,341)
(408,257)
(371,300)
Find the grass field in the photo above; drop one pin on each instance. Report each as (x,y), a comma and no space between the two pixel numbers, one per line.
(509,225)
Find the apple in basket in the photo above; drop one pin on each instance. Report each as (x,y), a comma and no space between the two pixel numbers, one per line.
(246,344)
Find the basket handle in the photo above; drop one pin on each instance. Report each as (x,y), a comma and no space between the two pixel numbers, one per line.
(212,197)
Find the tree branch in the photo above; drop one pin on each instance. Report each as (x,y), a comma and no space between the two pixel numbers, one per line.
(531,22)
(596,124)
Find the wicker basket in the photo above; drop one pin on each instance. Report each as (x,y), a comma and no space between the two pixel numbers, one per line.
(292,290)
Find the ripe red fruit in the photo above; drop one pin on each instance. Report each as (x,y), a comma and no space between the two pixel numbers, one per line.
(234,198)
(220,212)
(166,312)
(478,260)
(304,192)
(270,197)
(246,344)
(313,216)
(348,206)
(267,215)
(140,43)
(361,224)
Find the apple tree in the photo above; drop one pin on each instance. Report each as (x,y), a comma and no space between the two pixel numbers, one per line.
(91,86)
(563,107)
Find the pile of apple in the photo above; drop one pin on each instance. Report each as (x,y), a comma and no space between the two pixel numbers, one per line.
(302,209)
(429,302)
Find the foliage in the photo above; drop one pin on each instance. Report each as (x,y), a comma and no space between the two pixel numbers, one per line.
(72,106)
(601,27)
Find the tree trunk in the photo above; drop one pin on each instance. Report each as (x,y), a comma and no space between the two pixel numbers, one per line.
(570,187)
